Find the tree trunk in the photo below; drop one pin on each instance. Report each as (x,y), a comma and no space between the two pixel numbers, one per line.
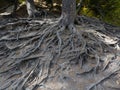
(16,2)
(68,13)
(31,8)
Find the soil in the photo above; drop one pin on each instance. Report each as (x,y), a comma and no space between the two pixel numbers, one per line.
(36,54)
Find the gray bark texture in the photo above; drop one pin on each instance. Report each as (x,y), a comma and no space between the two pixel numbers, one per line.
(31,8)
(68,12)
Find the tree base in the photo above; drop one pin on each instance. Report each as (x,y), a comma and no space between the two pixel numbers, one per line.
(41,54)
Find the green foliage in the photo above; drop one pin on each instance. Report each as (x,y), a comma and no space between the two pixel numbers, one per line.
(113,13)
(107,10)
(21,1)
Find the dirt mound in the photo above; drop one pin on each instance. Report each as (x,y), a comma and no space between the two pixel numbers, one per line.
(36,54)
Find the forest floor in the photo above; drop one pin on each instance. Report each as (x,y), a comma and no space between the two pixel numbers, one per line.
(36,54)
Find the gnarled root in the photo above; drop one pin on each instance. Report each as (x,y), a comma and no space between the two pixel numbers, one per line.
(38,49)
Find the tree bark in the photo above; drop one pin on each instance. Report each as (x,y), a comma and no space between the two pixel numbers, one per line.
(31,8)
(68,13)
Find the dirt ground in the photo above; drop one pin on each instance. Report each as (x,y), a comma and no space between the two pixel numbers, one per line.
(35,56)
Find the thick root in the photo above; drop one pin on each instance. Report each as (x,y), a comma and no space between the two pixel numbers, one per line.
(38,52)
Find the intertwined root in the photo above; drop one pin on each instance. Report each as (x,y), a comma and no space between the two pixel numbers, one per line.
(32,50)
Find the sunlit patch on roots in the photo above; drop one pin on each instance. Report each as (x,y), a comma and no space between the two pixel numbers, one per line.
(36,50)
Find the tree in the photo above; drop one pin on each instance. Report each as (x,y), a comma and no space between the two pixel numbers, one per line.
(68,14)
(43,54)
(32,12)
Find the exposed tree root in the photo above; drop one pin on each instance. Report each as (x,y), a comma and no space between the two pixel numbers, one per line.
(103,79)
(37,51)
